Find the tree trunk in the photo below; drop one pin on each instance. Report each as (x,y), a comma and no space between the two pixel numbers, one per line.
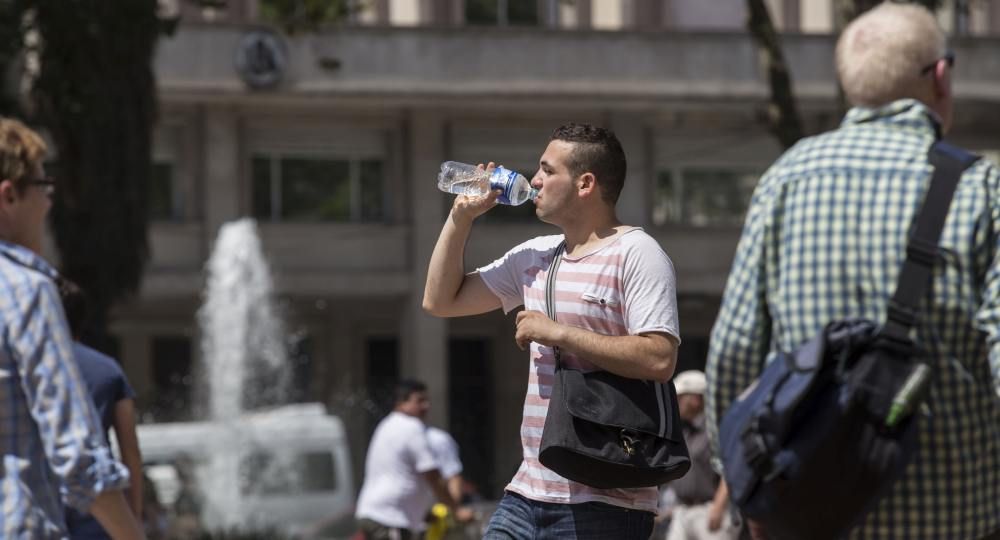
(782,112)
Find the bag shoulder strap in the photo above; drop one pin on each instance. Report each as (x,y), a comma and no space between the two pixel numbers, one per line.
(949,163)
(550,293)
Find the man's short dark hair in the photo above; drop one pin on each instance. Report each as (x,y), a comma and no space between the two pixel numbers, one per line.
(596,150)
(407,387)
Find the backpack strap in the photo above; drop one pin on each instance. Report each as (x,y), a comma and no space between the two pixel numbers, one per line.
(949,163)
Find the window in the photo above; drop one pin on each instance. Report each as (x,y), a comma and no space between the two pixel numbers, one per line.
(300,356)
(165,193)
(404,13)
(607,15)
(162,206)
(383,371)
(470,395)
(816,17)
(310,188)
(299,14)
(703,196)
(502,12)
(172,378)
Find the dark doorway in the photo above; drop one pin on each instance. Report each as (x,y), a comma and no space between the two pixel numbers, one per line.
(173,381)
(383,372)
(470,400)
(692,353)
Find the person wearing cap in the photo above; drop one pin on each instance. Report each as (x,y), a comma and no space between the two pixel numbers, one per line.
(700,511)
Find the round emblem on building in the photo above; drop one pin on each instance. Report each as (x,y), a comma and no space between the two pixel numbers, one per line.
(261,59)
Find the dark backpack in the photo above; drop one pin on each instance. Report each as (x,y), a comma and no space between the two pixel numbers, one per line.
(810,447)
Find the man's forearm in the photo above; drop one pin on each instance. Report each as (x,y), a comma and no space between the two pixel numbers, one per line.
(113,513)
(440,489)
(455,487)
(134,490)
(649,357)
(721,494)
(128,444)
(446,269)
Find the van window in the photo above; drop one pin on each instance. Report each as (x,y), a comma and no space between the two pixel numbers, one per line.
(304,472)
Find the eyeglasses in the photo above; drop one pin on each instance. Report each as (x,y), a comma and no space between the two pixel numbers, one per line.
(48,184)
(948,57)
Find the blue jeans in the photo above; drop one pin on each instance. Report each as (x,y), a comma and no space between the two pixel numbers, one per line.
(519,518)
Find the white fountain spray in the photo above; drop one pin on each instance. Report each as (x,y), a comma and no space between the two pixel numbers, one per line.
(242,337)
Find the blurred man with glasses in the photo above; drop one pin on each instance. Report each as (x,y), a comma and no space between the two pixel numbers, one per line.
(50,435)
(825,238)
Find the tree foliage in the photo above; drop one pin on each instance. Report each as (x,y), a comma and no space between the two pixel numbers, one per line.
(96,95)
(305,15)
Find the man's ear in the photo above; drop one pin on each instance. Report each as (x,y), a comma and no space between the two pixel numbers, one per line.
(942,80)
(586,183)
(8,192)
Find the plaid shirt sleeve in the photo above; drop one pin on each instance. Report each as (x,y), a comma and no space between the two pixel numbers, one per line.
(743,328)
(988,314)
(67,421)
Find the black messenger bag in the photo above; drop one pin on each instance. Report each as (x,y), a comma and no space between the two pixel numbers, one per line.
(608,431)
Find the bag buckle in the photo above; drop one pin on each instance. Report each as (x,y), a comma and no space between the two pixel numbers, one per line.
(901,314)
(628,443)
(921,252)
(898,321)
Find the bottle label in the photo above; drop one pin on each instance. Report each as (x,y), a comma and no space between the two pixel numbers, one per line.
(503,179)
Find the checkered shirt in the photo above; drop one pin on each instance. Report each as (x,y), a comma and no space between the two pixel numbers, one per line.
(51,440)
(825,238)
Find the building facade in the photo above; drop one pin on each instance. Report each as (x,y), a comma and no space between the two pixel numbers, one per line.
(332,140)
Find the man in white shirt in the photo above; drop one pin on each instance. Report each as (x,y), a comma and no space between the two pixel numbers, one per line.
(399,468)
(445,450)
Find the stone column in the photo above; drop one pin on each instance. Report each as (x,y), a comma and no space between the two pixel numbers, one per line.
(221,178)
(424,340)
(644,14)
(633,207)
(137,362)
(584,14)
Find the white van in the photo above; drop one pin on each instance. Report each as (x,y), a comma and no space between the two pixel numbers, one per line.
(286,470)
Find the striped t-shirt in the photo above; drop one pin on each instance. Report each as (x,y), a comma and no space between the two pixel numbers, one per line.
(625,287)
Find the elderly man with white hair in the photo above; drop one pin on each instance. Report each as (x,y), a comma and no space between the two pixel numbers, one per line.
(825,238)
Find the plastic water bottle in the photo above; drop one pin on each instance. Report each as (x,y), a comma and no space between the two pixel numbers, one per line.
(465,179)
